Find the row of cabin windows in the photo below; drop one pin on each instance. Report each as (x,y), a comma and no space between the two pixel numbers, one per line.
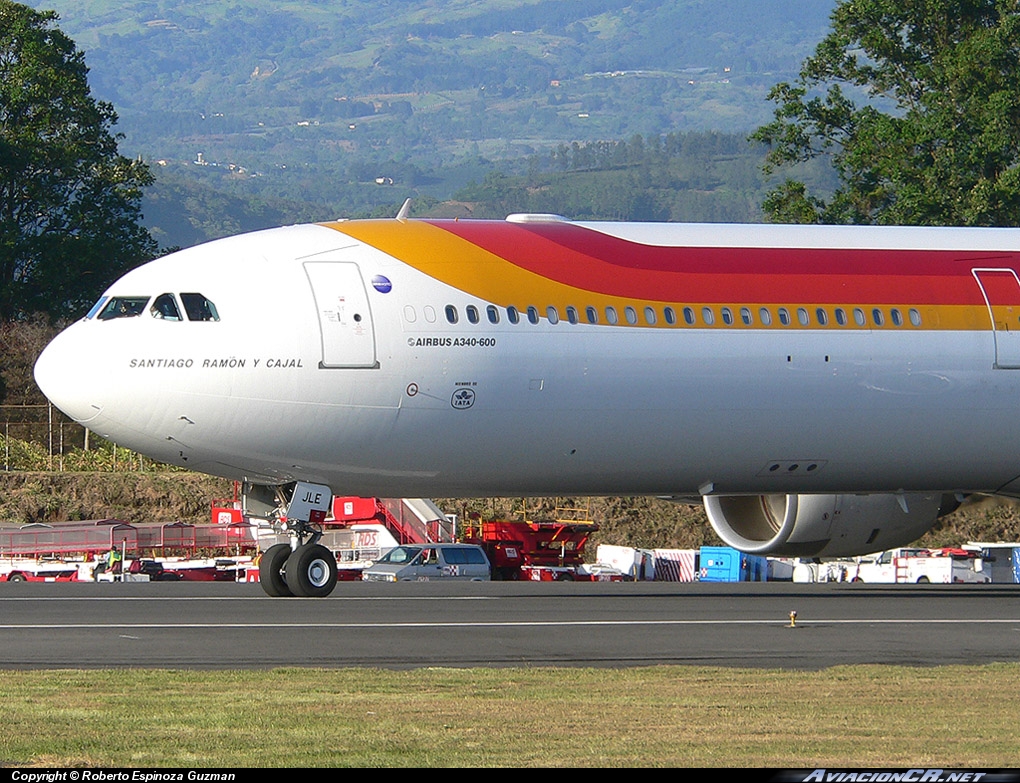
(692,316)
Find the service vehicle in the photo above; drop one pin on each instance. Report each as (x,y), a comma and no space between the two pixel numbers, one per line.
(153,569)
(25,569)
(921,566)
(427,562)
(601,572)
(903,565)
(539,551)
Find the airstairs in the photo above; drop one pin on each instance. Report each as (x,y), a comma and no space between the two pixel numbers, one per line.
(415,520)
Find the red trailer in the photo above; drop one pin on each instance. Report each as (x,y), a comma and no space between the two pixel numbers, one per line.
(538,551)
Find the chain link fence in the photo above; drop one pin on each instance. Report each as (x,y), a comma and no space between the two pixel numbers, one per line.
(40,437)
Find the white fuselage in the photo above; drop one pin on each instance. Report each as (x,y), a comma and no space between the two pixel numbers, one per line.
(335,362)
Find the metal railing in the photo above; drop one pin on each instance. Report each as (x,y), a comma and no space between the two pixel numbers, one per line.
(40,437)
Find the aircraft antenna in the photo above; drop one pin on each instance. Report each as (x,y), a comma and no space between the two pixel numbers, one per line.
(405,210)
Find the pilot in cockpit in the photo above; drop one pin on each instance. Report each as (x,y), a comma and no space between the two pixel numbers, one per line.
(165,307)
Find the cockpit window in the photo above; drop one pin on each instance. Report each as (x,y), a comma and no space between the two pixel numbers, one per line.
(199,308)
(123,307)
(165,306)
(96,307)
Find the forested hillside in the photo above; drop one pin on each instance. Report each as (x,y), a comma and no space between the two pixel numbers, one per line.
(710,177)
(697,177)
(321,109)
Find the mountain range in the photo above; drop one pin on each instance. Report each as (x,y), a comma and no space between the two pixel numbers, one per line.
(338,105)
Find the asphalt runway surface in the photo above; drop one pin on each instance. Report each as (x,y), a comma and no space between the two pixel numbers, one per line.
(410,625)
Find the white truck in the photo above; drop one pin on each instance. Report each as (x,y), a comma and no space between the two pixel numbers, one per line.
(938,566)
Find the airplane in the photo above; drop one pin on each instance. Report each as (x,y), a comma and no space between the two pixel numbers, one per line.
(823,390)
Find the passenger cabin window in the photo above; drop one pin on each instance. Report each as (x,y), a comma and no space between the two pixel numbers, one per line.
(591,314)
(472,313)
(165,306)
(123,307)
(451,314)
(199,308)
(572,314)
(492,313)
(513,315)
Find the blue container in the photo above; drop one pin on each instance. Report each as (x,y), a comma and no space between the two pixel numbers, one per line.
(725,564)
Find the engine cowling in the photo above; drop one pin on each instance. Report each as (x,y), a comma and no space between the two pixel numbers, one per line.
(821,525)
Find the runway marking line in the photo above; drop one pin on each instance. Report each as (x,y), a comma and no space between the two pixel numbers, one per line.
(259,598)
(502,624)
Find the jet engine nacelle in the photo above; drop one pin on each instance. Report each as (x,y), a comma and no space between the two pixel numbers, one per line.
(821,525)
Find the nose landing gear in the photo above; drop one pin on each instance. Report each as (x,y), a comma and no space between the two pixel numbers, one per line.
(302,568)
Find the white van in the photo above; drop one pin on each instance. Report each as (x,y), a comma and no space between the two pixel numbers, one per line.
(425,562)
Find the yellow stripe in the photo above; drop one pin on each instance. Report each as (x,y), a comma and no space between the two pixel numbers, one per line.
(465,266)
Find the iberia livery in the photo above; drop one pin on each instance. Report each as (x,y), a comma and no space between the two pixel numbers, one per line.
(826,390)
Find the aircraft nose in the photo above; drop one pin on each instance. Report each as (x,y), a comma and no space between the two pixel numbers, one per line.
(65,372)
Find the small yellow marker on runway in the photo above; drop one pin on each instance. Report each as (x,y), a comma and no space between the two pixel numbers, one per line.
(793,619)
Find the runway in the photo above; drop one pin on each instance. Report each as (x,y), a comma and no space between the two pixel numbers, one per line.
(223,625)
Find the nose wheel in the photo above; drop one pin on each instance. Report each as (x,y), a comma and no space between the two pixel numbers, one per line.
(306,572)
(271,568)
(311,571)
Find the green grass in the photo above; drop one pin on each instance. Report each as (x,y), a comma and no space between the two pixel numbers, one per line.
(657,716)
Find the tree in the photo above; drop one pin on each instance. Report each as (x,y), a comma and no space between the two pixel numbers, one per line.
(69,203)
(22,340)
(918,104)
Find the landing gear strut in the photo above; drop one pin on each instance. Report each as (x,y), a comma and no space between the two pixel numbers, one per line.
(302,568)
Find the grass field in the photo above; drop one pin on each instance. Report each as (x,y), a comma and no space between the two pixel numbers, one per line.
(874,716)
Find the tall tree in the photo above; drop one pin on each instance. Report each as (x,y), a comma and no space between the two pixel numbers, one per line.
(918,104)
(69,202)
